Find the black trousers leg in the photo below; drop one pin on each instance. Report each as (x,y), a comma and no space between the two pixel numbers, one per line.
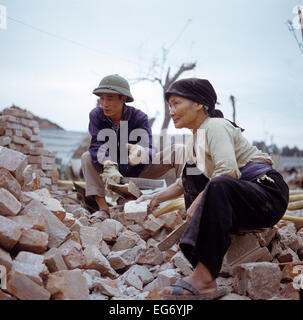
(227,204)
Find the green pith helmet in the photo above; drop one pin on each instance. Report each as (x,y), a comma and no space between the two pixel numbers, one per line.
(114,84)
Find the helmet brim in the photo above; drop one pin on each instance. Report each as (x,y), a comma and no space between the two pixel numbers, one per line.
(98,91)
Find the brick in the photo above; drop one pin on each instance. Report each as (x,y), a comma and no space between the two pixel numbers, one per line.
(241,250)
(138,276)
(167,277)
(260,281)
(4,141)
(56,230)
(288,238)
(54,260)
(72,254)
(33,240)
(291,270)
(152,256)
(140,231)
(26,133)
(124,258)
(9,118)
(68,285)
(16,112)
(136,211)
(41,160)
(24,288)
(96,260)
(266,236)
(10,233)
(36,222)
(171,220)
(288,255)
(6,260)
(152,224)
(44,196)
(182,263)
(105,250)
(110,229)
(109,287)
(29,123)
(34,272)
(8,182)
(9,205)
(20,140)
(126,240)
(90,236)
(13,161)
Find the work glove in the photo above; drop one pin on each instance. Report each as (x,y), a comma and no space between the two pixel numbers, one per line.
(110,171)
(137,154)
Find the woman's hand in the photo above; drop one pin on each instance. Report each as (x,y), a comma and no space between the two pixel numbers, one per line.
(154,201)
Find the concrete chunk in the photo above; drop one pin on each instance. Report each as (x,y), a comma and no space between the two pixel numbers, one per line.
(110,229)
(8,182)
(34,272)
(152,256)
(91,236)
(135,211)
(10,233)
(68,285)
(33,240)
(54,260)
(24,288)
(9,205)
(127,239)
(36,222)
(13,161)
(96,260)
(108,287)
(124,258)
(72,254)
(182,263)
(260,281)
(167,277)
(152,224)
(56,230)
(5,260)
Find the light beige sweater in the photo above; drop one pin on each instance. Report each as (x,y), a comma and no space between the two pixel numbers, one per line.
(218,148)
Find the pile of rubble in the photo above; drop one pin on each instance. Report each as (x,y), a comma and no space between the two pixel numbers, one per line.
(55,251)
(19,131)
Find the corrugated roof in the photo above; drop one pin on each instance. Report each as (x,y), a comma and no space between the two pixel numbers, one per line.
(62,142)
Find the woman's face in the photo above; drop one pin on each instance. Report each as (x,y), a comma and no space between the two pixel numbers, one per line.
(184,112)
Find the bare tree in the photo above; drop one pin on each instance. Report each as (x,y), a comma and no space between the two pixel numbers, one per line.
(292,29)
(160,72)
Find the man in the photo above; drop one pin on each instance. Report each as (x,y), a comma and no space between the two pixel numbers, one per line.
(116,129)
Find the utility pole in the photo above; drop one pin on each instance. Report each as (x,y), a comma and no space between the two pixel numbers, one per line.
(232,98)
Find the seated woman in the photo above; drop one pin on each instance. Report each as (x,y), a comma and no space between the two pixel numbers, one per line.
(230,184)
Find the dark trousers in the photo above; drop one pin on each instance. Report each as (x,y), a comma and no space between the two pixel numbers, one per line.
(226,205)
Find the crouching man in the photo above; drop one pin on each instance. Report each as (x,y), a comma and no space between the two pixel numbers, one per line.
(121,141)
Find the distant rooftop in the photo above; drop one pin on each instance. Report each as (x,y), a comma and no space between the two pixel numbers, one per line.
(63,143)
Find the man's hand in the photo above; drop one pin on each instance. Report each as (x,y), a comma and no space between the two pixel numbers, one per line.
(154,202)
(137,154)
(110,171)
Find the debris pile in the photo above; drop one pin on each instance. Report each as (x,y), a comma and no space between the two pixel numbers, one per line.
(19,131)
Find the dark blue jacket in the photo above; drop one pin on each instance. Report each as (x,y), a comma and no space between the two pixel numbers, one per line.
(136,119)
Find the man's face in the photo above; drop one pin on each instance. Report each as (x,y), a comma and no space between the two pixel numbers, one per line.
(112,104)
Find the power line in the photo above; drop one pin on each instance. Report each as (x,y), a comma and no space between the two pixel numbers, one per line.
(71,41)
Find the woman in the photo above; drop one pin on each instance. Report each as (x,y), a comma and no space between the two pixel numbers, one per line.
(228,185)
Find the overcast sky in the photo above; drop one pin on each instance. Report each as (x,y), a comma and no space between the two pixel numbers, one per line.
(54,53)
